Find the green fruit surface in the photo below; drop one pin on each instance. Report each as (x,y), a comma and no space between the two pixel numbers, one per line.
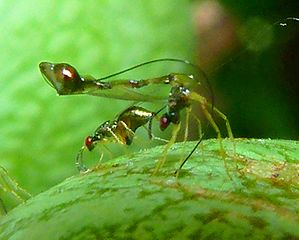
(254,197)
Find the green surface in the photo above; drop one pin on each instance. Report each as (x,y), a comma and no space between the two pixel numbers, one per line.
(122,200)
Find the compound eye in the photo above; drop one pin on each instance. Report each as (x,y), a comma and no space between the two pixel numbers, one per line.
(66,72)
(62,76)
(164,122)
(89,143)
(174,117)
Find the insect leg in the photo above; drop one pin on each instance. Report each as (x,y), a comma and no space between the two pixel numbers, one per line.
(79,163)
(203,103)
(127,128)
(118,140)
(188,111)
(101,158)
(228,127)
(172,140)
(201,135)
(229,132)
(108,150)
(153,137)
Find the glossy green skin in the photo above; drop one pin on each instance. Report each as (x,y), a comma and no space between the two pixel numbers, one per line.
(122,200)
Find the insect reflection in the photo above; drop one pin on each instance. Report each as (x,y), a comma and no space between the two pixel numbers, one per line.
(121,130)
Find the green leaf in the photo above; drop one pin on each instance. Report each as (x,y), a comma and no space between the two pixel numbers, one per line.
(121,199)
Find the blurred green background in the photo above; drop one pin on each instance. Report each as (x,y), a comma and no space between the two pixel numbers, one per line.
(41,132)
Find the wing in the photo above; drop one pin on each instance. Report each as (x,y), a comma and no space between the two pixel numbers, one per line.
(125,93)
(66,81)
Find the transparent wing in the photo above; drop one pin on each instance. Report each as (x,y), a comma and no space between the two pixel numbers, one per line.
(125,93)
(67,81)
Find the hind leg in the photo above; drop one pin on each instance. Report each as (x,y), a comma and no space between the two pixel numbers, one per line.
(188,112)
(204,104)
(201,135)
(172,140)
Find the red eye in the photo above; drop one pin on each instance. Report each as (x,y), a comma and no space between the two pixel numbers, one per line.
(164,122)
(65,73)
(68,73)
(89,143)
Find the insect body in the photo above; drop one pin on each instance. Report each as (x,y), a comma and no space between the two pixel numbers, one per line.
(181,97)
(121,130)
(67,81)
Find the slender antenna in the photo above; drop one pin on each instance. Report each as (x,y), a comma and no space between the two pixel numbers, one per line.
(192,151)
